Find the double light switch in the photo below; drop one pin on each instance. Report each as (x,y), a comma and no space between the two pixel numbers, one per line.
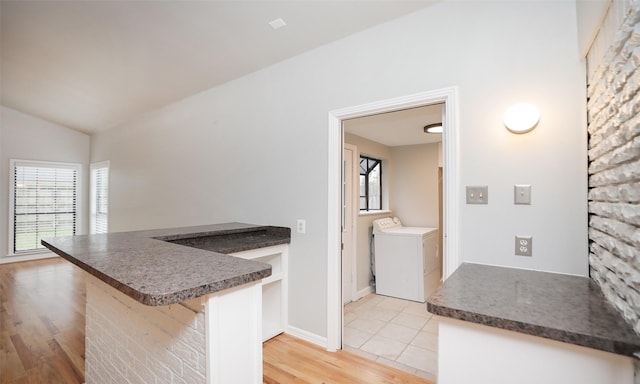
(478,195)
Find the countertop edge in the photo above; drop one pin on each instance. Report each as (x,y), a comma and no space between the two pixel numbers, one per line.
(602,344)
(266,244)
(177,296)
(469,295)
(138,296)
(166,299)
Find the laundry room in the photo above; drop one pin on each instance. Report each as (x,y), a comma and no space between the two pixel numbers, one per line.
(405,184)
(392,256)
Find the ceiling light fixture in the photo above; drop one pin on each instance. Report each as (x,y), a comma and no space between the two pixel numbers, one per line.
(277,23)
(433,128)
(521,118)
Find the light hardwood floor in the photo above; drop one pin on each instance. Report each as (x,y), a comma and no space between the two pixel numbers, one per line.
(42,336)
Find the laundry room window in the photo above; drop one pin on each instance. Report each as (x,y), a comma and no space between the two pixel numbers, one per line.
(370,184)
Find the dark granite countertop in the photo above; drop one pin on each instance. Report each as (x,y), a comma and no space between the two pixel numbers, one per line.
(566,308)
(155,269)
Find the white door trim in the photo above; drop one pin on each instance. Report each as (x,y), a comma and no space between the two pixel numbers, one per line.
(449,96)
(354,220)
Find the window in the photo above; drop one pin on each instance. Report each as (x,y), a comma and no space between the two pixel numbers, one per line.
(99,197)
(370,184)
(43,203)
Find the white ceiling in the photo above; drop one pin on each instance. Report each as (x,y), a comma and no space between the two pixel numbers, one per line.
(90,65)
(405,127)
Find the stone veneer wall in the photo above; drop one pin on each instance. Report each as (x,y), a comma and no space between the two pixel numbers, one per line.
(614,168)
(135,343)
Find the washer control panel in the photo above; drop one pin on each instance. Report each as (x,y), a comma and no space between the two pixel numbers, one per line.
(381,225)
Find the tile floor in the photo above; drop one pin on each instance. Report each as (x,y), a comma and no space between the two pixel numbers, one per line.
(394,332)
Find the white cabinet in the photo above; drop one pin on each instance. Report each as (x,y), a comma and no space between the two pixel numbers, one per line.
(274,288)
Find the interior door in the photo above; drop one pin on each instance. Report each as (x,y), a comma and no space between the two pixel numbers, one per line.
(348,223)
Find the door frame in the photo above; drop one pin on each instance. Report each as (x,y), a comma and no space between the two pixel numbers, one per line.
(352,247)
(448,96)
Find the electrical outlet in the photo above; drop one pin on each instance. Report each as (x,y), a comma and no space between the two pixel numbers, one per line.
(524,245)
(301,226)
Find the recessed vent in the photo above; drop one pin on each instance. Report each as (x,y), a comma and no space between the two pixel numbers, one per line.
(277,23)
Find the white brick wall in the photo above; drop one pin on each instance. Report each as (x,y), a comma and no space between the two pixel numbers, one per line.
(135,343)
(614,168)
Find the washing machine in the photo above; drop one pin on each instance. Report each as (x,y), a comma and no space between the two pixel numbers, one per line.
(407,263)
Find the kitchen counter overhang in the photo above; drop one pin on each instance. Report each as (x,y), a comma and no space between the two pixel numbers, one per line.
(169,266)
(566,308)
(506,325)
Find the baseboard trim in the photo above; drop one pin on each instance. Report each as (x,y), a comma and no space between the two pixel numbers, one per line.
(362,293)
(307,336)
(17,259)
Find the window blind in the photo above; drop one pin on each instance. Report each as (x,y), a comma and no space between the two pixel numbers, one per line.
(44,204)
(100,198)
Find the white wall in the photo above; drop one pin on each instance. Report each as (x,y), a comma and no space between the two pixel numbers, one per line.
(414,184)
(255,149)
(26,137)
(589,16)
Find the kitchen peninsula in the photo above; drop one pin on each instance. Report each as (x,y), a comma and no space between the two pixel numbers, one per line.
(172,306)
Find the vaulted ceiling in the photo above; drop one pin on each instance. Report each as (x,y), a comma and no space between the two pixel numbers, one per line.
(90,65)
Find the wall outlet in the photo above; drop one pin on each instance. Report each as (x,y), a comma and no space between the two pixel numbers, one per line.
(301,226)
(524,245)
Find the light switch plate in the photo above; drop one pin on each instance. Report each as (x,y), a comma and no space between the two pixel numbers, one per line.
(522,194)
(477,194)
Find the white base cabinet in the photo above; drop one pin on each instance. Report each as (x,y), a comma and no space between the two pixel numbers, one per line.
(474,353)
(275,288)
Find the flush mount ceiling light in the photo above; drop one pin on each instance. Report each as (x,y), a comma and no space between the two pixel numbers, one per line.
(277,23)
(521,118)
(433,128)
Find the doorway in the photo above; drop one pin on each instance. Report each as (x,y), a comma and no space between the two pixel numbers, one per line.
(397,176)
(393,325)
(448,96)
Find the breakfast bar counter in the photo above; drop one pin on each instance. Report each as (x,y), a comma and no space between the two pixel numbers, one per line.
(171,305)
(538,326)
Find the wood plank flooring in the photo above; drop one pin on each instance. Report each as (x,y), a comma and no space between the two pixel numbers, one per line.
(42,336)
(41,322)
(288,359)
